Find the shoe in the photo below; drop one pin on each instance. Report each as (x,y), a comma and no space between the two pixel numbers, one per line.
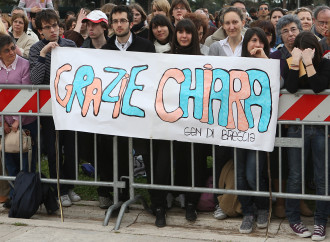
(3,199)
(191,214)
(66,201)
(169,200)
(7,203)
(181,200)
(74,197)
(218,213)
(319,233)
(105,202)
(262,219)
(279,211)
(160,217)
(304,209)
(300,230)
(247,224)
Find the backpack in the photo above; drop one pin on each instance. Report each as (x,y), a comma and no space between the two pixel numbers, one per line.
(49,197)
(206,200)
(228,202)
(27,195)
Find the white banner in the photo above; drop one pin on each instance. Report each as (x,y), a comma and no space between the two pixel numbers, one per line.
(226,101)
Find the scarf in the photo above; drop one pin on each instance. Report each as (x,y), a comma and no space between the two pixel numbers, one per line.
(162,48)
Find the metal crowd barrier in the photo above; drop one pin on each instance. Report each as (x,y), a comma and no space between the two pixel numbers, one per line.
(44,109)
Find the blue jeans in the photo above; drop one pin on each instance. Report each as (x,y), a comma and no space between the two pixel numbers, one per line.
(12,160)
(246,180)
(314,141)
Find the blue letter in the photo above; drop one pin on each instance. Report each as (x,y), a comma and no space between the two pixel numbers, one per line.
(83,78)
(264,100)
(127,108)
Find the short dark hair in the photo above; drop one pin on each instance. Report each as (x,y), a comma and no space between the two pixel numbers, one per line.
(307,39)
(237,1)
(263,3)
(277,9)
(188,26)
(319,9)
(5,40)
(122,9)
(69,23)
(248,36)
(160,20)
(46,15)
(268,27)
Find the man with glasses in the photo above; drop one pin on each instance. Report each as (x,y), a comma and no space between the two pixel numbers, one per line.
(124,39)
(263,11)
(320,19)
(40,58)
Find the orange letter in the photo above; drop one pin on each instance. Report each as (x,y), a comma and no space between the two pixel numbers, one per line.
(90,96)
(208,75)
(116,109)
(64,102)
(159,105)
(243,93)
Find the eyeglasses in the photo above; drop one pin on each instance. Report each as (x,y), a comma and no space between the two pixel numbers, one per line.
(121,21)
(292,30)
(48,27)
(6,51)
(268,34)
(177,9)
(263,8)
(322,23)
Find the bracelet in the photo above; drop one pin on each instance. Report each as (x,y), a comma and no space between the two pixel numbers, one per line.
(293,65)
(309,65)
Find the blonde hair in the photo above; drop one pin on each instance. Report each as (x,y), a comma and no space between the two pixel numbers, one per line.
(162,5)
(3,29)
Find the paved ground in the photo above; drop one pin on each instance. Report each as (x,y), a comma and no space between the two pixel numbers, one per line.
(83,222)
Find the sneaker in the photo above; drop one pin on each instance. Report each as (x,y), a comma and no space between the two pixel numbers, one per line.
(262,219)
(181,200)
(169,200)
(7,203)
(66,201)
(74,197)
(105,202)
(191,214)
(319,233)
(160,217)
(247,224)
(300,230)
(218,213)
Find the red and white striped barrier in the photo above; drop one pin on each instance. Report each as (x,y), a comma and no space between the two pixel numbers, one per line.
(25,101)
(306,107)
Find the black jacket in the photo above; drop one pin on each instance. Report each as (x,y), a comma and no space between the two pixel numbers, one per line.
(138,44)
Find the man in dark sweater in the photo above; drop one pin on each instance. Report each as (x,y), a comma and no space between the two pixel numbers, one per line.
(124,40)
(40,57)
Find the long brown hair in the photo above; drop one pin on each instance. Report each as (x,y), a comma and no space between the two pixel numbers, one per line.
(307,39)
(193,49)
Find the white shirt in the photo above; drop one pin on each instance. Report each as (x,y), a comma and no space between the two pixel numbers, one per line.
(227,49)
(124,46)
(12,66)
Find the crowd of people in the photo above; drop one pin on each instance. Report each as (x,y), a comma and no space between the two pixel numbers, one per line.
(298,38)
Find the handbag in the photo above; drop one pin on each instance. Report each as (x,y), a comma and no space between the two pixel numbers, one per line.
(228,202)
(12,142)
